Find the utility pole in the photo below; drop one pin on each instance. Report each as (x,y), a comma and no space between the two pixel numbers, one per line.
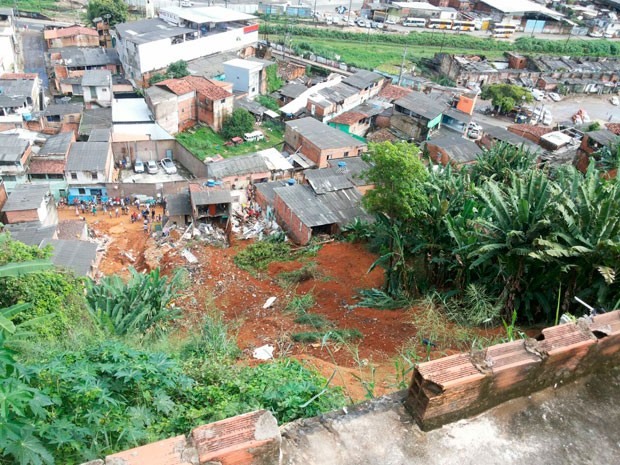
(349,15)
(402,67)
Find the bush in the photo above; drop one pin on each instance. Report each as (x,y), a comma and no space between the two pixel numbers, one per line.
(268,102)
(258,255)
(237,124)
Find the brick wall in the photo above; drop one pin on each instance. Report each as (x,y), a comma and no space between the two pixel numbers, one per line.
(461,385)
(297,231)
(22,216)
(3,195)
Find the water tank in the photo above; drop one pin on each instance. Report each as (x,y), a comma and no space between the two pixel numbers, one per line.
(210,183)
(291,182)
(342,164)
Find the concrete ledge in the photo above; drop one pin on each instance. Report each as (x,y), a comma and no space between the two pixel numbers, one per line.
(462,385)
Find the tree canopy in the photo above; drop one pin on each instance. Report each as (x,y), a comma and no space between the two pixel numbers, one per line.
(238,123)
(505,96)
(117,9)
(397,174)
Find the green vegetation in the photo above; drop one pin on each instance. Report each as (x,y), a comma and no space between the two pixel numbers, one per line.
(259,254)
(307,272)
(314,320)
(506,96)
(237,124)
(176,70)
(117,9)
(142,305)
(300,304)
(274,82)
(516,232)
(269,102)
(72,396)
(204,142)
(337,335)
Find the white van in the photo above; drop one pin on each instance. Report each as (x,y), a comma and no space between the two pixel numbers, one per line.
(538,94)
(253,136)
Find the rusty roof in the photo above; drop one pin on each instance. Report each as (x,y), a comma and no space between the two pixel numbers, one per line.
(349,117)
(68,32)
(614,127)
(39,165)
(16,76)
(199,84)
(393,92)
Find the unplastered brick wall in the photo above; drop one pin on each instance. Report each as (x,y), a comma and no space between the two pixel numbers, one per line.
(249,439)
(462,385)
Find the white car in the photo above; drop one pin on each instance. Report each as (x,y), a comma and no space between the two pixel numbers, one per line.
(538,94)
(151,167)
(596,35)
(168,166)
(615,101)
(390,21)
(186,3)
(138,166)
(554,96)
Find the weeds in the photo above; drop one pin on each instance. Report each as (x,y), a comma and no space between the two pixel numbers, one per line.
(258,255)
(375,298)
(475,308)
(314,320)
(305,273)
(338,335)
(300,304)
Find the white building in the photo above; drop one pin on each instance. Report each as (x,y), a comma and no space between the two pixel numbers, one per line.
(244,75)
(8,61)
(150,45)
(97,87)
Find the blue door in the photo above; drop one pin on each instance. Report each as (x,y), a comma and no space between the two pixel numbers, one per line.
(534,25)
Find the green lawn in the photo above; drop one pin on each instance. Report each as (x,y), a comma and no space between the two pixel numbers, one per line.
(204,142)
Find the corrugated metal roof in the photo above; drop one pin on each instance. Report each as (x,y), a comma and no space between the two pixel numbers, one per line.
(327,180)
(458,148)
(97,77)
(75,57)
(346,205)
(275,160)
(268,189)
(362,79)
(88,156)
(95,118)
(323,136)
(178,204)
(237,166)
(603,137)
(26,197)
(77,256)
(353,170)
(59,109)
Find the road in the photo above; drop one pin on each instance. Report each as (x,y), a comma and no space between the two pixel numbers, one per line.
(33,54)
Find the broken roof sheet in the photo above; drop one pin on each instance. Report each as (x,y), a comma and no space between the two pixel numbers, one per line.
(327,180)
(237,166)
(603,137)
(275,160)
(31,233)
(178,204)
(210,196)
(323,136)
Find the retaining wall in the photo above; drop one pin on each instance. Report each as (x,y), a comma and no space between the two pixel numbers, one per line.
(463,385)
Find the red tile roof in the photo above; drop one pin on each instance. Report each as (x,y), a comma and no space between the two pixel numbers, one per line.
(199,84)
(19,76)
(68,32)
(392,92)
(349,117)
(40,165)
(382,135)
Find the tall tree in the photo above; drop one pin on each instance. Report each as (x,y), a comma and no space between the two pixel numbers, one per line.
(117,9)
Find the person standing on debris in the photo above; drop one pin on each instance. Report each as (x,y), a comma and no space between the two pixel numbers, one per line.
(153,214)
(116,212)
(94,210)
(146,226)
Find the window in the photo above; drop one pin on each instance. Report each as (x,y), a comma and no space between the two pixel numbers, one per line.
(9,178)
(37,176)
(55,176)
(93,90)
(94,175)
(74,176)
(346,154)
(81,191)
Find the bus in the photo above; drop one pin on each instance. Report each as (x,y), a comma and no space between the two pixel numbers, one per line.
(439,23)
(503,31)
(414,22)
(463,25)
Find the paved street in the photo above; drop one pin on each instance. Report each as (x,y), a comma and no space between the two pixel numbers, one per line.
(33,53)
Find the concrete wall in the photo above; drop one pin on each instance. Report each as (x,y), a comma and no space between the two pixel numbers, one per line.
(165,112)
(189,161)
(3,194)
(78,40)
(144,150)
(296,230)
(461,385)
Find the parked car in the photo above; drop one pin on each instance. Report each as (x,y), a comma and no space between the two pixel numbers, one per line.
(554,96)
(168,166)
(538,94)
(151,167)
(615,101)
(186,3)
(360,22)
(597,35)
(254,136)
(138,166)
(390,21)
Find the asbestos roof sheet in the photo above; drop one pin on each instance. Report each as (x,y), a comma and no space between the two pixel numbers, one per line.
(59,109)
(12,147)
(458,149)
(74,57)
(56,145)
(327,180)
(179,204)
(306,206)
(149,30)
(321,135)
(208,14)
(275,160)
(267,189)
(210,197)
(292,90)
(95,118)
(422,105)
(353,169)
(362,79)
(99,135)
(603,137)
(97,78)
(77,256)
(504,135)
(31,233)
(26,197)
(88,156)
(237,166)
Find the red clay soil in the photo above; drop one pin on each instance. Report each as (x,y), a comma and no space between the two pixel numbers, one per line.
(216,282)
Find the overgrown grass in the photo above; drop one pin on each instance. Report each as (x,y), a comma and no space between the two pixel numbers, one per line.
(375,298)
(314,320)
(305,273)
(204,142)
(46,7)
(338,335)
(300,304)
(258,255)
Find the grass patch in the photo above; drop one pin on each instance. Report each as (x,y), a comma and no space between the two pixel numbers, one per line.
(375,298)
(314,320)
(300,304)
(305,273)
(204,142)
(258,255)
(338,335)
